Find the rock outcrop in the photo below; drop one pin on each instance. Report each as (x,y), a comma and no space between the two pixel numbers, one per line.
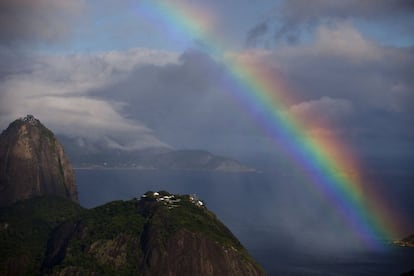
(33,163)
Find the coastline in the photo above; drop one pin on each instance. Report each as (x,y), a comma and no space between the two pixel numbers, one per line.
(157,169)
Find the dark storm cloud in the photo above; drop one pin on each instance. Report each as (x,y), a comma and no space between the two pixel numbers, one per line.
(292,17)
(361,89)
(341,79)
(368,86)
(341,63)
(27,21)
(298,10)
(185,103)
(256,33)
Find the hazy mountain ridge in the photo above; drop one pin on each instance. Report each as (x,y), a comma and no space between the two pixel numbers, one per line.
(86,154)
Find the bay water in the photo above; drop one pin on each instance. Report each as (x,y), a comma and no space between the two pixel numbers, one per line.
(287,225)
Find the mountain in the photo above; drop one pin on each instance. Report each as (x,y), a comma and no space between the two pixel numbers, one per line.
(158,234)
(44,231)
(33,163)
(85,154)
(195,160)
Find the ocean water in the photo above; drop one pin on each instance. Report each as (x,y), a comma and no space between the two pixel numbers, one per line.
(286,224)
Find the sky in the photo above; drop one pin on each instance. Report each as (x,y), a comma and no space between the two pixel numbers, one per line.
(125,73)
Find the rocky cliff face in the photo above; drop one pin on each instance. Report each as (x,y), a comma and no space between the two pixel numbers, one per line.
(33,163)
(182,237)
(189,253)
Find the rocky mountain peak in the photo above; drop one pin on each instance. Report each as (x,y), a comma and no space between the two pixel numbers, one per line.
(33,163)
(30,119)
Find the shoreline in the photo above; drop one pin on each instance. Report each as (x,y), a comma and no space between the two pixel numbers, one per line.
(156,169)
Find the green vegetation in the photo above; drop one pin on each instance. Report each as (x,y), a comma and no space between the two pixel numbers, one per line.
(25,228)
(49,235)
(115,224)
(186,214)
(113,218)
(169,218)
(52,235)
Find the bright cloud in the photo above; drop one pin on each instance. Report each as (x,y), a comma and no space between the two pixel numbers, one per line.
(324,111)
(57,90)
(344,41)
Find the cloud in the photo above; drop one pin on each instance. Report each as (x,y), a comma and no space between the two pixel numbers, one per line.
(189,104)
(342,63)
(341,78)
(324,112)
(302,10)
(343,40)
(378,90)
(353,84)
(254,34)
(23,21)
(57,89)
(135,98)
(294,17)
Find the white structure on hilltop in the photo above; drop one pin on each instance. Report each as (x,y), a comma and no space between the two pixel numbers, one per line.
(194,199)
(171,200)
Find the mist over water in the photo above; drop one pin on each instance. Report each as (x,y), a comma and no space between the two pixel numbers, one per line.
(287,225)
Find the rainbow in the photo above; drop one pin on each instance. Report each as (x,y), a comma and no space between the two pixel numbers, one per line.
(327,162)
